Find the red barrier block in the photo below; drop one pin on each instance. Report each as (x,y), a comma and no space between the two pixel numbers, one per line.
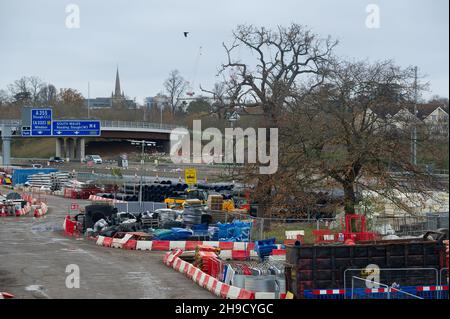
(107,242)
(226,245)
(191,245)
(224,290)
(130,244)
(161,245)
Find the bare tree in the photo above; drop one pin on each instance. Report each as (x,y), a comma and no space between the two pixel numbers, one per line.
(175,86)
(288,62)
(287,59)
(223,94)
(48,94)
(35,86)
(26,89)
(20,90)
(343,132)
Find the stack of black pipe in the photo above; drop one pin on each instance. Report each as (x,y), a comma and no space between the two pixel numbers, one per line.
(158,191)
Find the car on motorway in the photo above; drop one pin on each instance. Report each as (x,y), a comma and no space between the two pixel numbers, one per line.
(36,165)
(56,159)
(93,158)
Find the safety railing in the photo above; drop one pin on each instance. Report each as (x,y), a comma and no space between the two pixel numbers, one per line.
(384,292)
(394,277)
(443,281)
(130,124)
(10,122)
(378,290)
(110,124)
(264,228)
(409,225)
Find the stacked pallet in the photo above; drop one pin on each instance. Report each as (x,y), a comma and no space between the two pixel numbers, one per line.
(215,202)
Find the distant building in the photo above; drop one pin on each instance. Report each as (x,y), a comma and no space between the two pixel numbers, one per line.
(161,101)
(434,116)
(117,99)
(98,103)
(149,102)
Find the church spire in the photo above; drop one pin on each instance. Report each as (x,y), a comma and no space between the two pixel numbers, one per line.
(117,89)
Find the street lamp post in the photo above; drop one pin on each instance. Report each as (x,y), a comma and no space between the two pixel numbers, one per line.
(414,129)
(143,144)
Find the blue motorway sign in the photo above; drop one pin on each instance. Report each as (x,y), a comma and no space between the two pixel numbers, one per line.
(41,122)
(76,128)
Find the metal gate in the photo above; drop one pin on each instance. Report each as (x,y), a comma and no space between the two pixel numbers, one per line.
(397,283)
(360,291)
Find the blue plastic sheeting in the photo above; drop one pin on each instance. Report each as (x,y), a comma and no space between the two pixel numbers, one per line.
(200,229)
(20,175)
(236,231)
(264,247)
(174,234)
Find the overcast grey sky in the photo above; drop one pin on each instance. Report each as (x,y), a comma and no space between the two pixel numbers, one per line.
(145,38)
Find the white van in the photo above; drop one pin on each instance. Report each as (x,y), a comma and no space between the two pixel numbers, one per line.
(94,158)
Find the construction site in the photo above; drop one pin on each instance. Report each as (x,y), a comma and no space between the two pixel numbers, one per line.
(224,159)
(211,233)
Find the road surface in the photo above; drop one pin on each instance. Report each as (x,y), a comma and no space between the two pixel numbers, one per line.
(34,255)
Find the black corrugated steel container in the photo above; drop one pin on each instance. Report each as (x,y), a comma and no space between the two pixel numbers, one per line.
(323,266)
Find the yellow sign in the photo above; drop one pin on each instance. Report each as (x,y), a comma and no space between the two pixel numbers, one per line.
(190,175)
(289,295)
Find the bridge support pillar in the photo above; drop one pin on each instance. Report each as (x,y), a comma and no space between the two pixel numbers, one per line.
(59,152)
(70,148)
(80,148)
(6,145)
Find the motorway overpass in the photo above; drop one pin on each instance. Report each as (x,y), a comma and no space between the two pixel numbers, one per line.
(74,147)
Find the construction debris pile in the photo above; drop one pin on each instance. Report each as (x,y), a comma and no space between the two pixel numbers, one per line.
(163,224)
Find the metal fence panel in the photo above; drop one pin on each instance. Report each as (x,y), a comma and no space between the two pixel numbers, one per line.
(136,207)
(393,277)
(409,225)
(437,220)
(265,228)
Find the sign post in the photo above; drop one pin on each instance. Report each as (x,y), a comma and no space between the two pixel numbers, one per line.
(41,123)
(76,128)
(190,176)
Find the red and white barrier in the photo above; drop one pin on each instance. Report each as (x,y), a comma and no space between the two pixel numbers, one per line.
(228,249)
(376,290)
(96,198)
(204,280)
(40,210)
(21,212)
(432,288)
(6,295)
(328,292)
(31,206)
(237,254)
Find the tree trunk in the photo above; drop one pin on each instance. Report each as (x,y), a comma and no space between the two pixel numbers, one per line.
(349,198)
(349,203)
